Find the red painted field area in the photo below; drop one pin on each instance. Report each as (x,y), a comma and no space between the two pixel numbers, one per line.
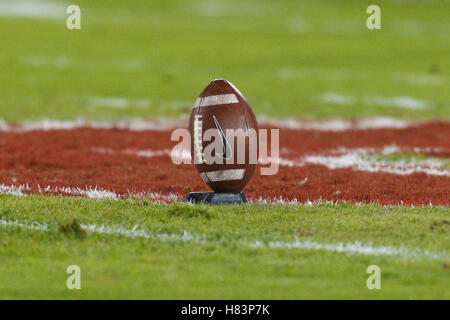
(315,165)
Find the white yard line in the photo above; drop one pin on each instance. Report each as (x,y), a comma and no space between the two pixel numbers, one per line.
(14,190)
(405,102)
(229,9)
(357,162)
(281,200)
(399,102)
(352,27)
(421,79)
(338,124)
(357,159)
(102,229)
(339,74)
(338,98)
(352,248)
(33,9)
(341,158)
(393,148)
(163,124)
(356,247)
(89,192)
(156,197)
(118,102)
(77,62)
(145,153)
(139,233)
(148,153)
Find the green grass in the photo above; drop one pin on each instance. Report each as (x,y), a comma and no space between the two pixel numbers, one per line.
(409,157)
(283,56)
(222,264)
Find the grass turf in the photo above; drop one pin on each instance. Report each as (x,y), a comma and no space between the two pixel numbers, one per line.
(284,56)
(223,264)
(410,157)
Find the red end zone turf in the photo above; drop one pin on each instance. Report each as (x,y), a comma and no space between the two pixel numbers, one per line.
(132,163)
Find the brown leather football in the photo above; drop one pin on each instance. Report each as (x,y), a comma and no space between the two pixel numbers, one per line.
(231,163)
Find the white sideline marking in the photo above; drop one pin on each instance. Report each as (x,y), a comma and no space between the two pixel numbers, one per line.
(222,175)
(38,61)
(32,9)
(17,191)
(226,8)
(398,102)
(148,153)
(352,248)
(339,158)
(89,192)
(102,229)
(281,200)
(386,150)
(337,98)
(356,247)
(421,78)
(154,196)
(355,159)
(352,27)
(356,162)
(339,74)
(77,62)
(95,193)
(179,154)
(163,124)
(339,124)
(216,100)
(92,193)
(118,102)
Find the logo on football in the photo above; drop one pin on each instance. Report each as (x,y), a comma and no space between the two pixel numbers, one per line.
(224,143)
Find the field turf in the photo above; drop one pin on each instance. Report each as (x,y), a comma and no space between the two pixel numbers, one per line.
(286,56)
(291,59)
(213,255)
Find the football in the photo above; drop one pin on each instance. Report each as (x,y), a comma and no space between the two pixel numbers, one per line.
(219,111)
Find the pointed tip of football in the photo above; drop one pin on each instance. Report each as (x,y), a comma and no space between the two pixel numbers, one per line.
(217,87)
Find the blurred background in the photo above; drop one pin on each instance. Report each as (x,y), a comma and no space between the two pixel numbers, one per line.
(296,59)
